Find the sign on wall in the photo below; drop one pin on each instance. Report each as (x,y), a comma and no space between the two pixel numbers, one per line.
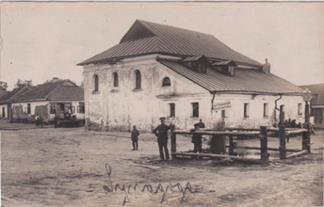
(222,105)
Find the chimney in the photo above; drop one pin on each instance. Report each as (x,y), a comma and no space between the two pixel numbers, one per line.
(266,66)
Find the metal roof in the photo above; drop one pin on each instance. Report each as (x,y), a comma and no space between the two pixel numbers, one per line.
(14,94)
(61,90)
(244,80)
(147,38)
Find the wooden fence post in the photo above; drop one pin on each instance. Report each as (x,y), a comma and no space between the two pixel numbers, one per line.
(264,143)
(173,142)
(282,135)
(306,135)
(231,145)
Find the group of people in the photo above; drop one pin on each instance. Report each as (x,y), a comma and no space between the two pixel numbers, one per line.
(161,132)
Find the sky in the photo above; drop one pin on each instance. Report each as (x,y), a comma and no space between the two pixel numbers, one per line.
(42,40)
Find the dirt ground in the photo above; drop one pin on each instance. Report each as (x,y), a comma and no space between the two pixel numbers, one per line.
(75,167)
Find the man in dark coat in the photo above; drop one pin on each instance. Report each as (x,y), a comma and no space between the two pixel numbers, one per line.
(201,124)
(196,140)
(134,135)
(161,132)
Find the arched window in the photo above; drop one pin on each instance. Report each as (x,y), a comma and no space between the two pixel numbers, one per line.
(138,79)
(96,82)
(115,76)
(166,81)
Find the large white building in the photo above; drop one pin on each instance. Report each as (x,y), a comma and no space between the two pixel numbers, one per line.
(158,70)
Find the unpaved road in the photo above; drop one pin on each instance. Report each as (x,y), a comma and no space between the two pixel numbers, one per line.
(66,167)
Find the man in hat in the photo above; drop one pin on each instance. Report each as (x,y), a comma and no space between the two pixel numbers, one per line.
(161,132)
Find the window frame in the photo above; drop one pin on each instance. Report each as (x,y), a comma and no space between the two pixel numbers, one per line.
(246,110)
(223,114)
(95,83)
(81,106)
(166,84)
(115,80)
(28,108)
(52,108)
(300,109)
(265,110)
(172,110)
(138,79)
(195,109)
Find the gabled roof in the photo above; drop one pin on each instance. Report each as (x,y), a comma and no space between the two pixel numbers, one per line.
(58,90)
(66,93)
(145,38)
(318,91)
(244,81)
(14,94)
(2,91)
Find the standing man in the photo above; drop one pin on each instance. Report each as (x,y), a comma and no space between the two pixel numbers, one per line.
(161,132)
(201,124)
(134,135)
(196,140)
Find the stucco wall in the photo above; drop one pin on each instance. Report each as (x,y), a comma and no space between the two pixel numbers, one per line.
(118,108)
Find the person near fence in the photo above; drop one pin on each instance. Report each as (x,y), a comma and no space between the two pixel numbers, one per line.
(197,140)
(39,121)
(134,136)
(201,124)
(161,132)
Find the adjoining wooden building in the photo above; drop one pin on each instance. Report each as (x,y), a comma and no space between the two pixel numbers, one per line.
(158,70)
(46,100)
(317,103)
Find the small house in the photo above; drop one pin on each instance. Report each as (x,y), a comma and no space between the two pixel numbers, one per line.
(50,99)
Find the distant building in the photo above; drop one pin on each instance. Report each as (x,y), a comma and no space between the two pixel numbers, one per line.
(317,103)
(8,98)
(158,70)
(51,98)
(3,88)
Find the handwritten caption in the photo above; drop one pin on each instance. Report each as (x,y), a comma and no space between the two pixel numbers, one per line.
(147,188)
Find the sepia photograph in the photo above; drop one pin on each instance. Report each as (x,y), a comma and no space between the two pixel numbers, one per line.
(167,104)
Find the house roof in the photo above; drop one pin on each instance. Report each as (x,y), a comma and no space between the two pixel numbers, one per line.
(318,91)
(244,80)
(58,90)
(11,96)
(2,91)
(151,38)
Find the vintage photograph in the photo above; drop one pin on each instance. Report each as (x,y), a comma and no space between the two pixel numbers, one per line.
(170,104)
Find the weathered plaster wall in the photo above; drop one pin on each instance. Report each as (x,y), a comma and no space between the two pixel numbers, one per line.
(235,114)
(118,108)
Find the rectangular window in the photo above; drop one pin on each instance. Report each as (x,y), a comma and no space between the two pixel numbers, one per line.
(28,109)
(265,109)
(300,109)
(172,109)
(195,109)
(52,109)
(73,109)
(223,114)
(246,110)
(81,108)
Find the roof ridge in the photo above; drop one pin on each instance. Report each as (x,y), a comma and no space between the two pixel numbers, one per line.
(174,27)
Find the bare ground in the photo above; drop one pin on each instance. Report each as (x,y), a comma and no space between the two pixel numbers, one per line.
(66,167)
